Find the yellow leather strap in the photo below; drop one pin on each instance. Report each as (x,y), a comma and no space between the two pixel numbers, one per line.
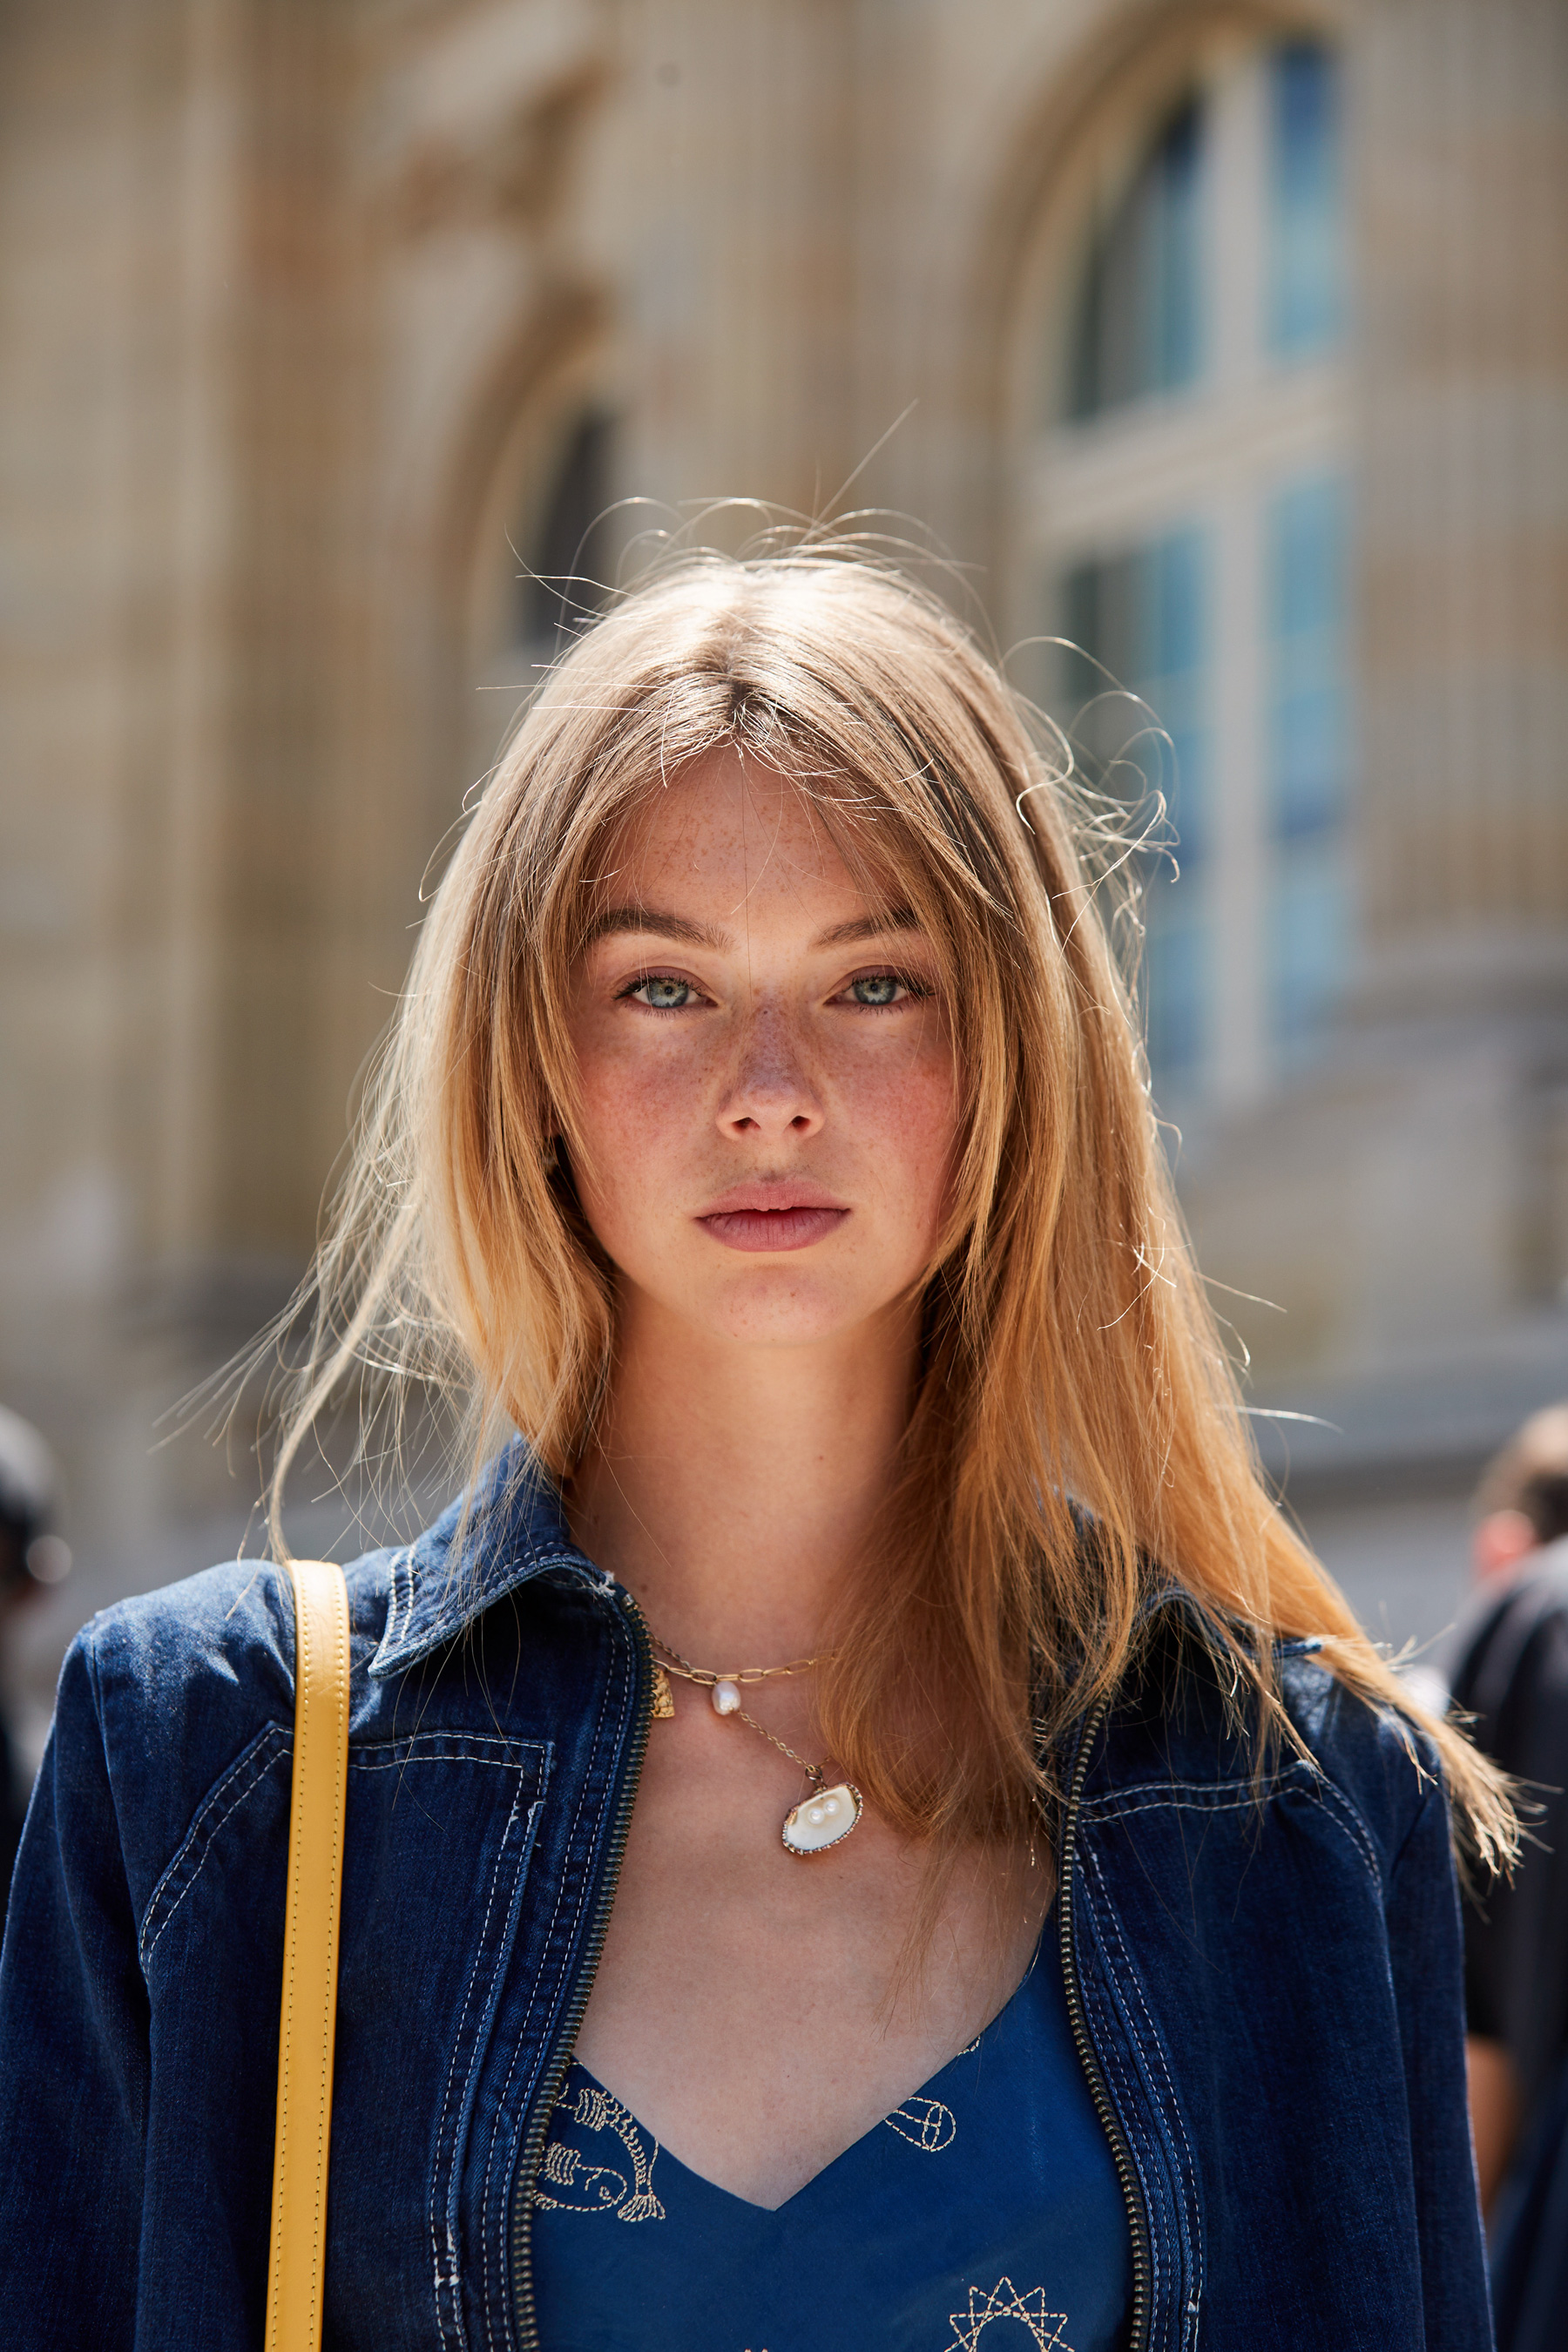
(297,2269)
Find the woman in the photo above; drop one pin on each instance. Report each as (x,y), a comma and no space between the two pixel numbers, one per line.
(865,1827)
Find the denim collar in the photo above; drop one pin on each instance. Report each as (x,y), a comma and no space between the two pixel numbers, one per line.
(515,1530)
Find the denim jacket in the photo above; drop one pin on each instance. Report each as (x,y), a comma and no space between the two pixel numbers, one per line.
(1263,1969)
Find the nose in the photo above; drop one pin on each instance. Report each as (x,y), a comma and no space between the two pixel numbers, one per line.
(770,1094)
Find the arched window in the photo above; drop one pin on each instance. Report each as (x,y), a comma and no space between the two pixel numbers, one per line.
(546,542)
(1186,503)
(566,545)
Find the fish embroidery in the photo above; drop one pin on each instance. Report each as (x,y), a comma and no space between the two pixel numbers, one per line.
(599,2188)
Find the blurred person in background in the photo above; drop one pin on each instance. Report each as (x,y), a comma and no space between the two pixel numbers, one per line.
(867,1788)
(32,1558)
(1510,1683)
(1511,1679)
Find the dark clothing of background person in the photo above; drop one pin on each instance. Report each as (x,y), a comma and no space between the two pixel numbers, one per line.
(1530,2235)
(13,1791)
(1512,1677)
(31,1559)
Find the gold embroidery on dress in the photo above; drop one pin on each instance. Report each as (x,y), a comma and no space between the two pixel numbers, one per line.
(599,2188)
(924,2123)
(1005,2302)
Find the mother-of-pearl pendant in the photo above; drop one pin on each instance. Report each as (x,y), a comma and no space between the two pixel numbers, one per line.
(822,1819)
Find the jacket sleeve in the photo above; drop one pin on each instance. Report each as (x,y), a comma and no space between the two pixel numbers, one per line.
(74,2057)
(1426,1953)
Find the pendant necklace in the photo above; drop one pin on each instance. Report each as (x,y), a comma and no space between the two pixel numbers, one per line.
(824,1819)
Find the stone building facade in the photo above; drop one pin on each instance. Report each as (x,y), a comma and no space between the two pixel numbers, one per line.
(325,321)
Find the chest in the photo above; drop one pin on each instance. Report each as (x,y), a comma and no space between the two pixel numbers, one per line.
(760,2010)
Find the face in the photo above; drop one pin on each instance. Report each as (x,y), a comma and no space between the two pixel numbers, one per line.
(768,1086)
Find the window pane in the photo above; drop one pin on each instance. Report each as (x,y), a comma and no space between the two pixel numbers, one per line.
(1308,719)
(1174,674)
(1306,205)
(1139,321)
(1309,944)
(1305,529)
(1176,952)
(1143,615)
(1136,689)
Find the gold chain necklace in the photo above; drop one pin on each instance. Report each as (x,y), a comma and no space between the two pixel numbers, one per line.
(824,1819)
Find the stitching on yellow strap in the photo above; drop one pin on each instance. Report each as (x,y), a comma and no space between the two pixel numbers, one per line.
(308,2020)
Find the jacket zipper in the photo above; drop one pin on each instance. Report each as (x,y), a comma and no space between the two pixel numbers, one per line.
(1089,2059)
(526,2317)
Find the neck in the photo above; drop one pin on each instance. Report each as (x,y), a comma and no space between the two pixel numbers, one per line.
(733,1487)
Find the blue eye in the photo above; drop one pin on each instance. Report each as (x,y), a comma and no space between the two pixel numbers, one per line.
(662,993)
(875,988)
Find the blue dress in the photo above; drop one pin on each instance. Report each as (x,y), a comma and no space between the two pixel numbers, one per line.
(983,2215)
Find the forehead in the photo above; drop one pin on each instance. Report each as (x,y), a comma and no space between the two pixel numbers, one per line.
(738,831)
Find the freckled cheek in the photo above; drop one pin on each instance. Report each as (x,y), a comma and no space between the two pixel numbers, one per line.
(905,1123)
(643,1113)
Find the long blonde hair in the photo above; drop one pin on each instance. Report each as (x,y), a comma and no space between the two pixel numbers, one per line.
(1072,1374)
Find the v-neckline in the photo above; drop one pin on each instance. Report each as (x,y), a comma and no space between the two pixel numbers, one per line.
(921,2091)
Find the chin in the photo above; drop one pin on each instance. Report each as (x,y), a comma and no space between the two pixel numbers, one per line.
(777,1310)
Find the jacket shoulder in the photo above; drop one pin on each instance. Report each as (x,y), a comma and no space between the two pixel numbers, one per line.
(1185,1716)
(1380,1761)
(164,1691)
(234,1622)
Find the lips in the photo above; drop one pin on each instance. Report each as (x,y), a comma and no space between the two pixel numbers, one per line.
(772,1229)
(763,1217)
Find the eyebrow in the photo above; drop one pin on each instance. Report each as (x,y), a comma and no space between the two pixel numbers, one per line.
(659,923)
(870,926)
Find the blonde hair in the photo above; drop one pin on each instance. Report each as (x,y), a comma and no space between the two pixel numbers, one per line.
(1072,1376)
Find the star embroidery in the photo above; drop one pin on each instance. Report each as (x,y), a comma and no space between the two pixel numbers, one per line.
(1005,2302)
